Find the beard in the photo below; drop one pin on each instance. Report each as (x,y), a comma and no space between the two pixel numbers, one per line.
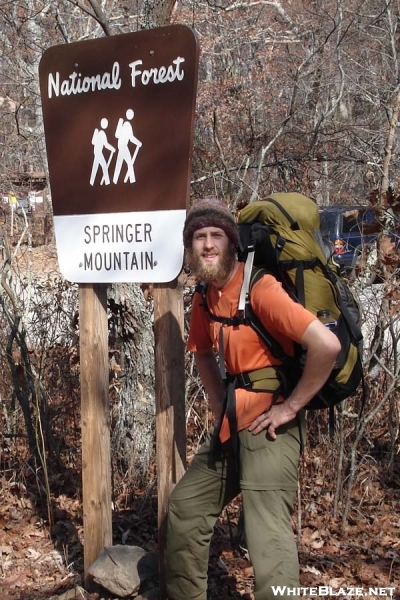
(212,272)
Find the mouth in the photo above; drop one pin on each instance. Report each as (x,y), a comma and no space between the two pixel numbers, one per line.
(209,257)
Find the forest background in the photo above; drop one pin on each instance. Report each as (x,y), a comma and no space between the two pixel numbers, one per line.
(293,96)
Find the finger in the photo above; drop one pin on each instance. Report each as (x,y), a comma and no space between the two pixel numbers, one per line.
(259,420)
(259,424)
(256,423)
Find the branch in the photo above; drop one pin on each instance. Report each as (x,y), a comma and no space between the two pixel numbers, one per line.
(263,152)
(391,139)
(390,144)
(101,17)
(220,150)
(280,163)
(275,4)
(96,13)
(339,97)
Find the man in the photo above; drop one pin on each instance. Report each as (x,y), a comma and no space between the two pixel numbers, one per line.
(270,434)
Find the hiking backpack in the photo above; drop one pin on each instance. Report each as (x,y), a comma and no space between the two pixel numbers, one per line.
(281,236)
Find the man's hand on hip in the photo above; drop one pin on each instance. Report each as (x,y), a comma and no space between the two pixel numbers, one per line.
(277,415)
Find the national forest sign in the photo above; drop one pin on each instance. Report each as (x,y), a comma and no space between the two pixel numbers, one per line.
(118,116)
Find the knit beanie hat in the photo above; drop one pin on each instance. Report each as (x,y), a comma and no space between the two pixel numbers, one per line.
(210,212)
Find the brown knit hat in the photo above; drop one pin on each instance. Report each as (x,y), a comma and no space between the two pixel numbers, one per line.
(210,212)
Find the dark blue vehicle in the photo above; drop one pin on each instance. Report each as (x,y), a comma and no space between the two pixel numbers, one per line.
(347,229)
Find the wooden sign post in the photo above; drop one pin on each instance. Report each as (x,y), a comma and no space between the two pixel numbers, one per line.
(95,417)
(170,403)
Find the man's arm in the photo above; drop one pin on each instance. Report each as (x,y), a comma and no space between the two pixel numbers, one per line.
(322,348)
(208,370)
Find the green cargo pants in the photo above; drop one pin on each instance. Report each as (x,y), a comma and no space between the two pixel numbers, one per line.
(268,483)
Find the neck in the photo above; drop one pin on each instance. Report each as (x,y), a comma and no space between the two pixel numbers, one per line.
(221,283)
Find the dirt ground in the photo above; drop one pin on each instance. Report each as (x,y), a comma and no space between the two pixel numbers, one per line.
(39,561)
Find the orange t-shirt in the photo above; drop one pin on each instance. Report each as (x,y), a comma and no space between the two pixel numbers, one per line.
(244,351)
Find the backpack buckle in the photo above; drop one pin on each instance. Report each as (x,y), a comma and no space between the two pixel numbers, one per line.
(235,321)
(280,243)
(243,381)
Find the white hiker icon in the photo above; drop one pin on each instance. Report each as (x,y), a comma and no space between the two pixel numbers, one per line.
(100,144)
(124,135)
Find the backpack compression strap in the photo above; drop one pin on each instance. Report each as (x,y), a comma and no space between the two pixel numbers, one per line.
(293,224)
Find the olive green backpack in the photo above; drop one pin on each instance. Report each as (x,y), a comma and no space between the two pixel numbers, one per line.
(282,236)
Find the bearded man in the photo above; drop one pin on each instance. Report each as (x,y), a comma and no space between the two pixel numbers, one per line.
(264,469)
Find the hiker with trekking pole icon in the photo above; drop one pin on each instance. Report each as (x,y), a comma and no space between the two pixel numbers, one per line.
(124,135)
(100,144)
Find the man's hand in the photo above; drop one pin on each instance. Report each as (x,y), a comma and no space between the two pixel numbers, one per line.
(277,415)
(322,347)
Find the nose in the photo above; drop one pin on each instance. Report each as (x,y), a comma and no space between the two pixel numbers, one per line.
(209,241)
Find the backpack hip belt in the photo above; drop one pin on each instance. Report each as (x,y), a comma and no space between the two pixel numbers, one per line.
(260,380)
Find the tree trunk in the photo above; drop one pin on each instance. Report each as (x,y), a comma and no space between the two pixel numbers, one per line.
(131,353)
(157,13)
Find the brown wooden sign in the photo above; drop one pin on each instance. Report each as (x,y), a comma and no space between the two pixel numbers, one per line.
(118,115)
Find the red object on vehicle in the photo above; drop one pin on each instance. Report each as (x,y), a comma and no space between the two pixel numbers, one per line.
(339,246)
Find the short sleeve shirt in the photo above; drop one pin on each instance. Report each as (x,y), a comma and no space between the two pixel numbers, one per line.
(285,319)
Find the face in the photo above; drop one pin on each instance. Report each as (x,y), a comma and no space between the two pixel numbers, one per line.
(212,255)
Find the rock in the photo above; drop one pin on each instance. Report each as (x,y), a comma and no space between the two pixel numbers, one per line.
(125,570)
(78,593)
(151,594)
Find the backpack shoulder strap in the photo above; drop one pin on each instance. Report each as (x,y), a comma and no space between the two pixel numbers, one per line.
(247,280)
(201,288)
(255,323)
